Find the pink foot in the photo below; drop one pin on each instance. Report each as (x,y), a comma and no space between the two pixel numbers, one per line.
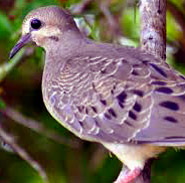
(128,175)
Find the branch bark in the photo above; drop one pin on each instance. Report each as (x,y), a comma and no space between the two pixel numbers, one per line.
(153,27)
(153,40)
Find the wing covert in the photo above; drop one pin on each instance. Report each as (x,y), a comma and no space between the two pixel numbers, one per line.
(119,100)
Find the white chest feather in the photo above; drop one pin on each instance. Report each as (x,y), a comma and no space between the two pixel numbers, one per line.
(134,156)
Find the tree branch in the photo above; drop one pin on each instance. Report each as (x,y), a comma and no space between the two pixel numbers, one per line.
(10,140)
(153,27)
(8,66)
(112,23)
(153,40)
(38,127)
(80,7)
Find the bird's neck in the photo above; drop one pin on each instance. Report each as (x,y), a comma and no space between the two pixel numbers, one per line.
(57,53)
(69,40)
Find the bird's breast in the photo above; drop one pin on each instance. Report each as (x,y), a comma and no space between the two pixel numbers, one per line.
(63,87)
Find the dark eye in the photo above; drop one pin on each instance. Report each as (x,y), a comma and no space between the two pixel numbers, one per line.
(36,24)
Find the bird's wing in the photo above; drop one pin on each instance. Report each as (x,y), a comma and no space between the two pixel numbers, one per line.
(122,100)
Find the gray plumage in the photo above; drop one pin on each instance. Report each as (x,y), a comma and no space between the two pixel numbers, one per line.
(118,96)
(114,94)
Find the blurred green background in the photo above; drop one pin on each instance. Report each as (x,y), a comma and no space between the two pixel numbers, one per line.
(65,158)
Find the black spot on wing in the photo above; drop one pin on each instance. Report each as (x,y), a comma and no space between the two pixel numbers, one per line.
(96,122)
(103,102)
(112,112)
(121,105)
(137,107)
(128,123)
(136,65)
(170,105)
(175,137)
(145,62)
(159,70)
(158,83)
(132,115)
(121,97)
(94,109)
(182,77)
(107,116)
(139,93)
(165,90)
(86,110)
(134,72)
(81,124)
(103,71)
(81,108)
(170,119)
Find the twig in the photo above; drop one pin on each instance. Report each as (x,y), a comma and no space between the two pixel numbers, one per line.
(38,127)
(97,157)
(113,25)
(8,66)
(10,140)
(80,8)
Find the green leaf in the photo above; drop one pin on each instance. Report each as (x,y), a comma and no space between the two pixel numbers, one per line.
(5,26)
(131,24)
(173,29)
(2,104)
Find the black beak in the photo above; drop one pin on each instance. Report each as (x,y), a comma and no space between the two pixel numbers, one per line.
(25,39)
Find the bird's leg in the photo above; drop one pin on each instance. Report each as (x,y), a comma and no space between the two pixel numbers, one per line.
(126,175)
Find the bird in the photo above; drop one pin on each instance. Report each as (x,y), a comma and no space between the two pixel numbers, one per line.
(122,97)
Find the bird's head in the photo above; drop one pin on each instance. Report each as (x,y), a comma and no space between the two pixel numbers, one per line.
(43,25)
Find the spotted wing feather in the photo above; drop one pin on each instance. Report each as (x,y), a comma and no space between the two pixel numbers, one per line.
(111,108)
(122,100)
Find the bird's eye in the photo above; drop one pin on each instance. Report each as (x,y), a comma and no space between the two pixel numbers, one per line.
(36,24)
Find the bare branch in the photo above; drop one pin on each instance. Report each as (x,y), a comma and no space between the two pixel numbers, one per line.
(80,8)
(113,24)
(153,40)
(38,127)
(10,140)
(153,27)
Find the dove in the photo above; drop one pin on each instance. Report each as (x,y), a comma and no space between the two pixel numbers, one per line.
(121,97)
